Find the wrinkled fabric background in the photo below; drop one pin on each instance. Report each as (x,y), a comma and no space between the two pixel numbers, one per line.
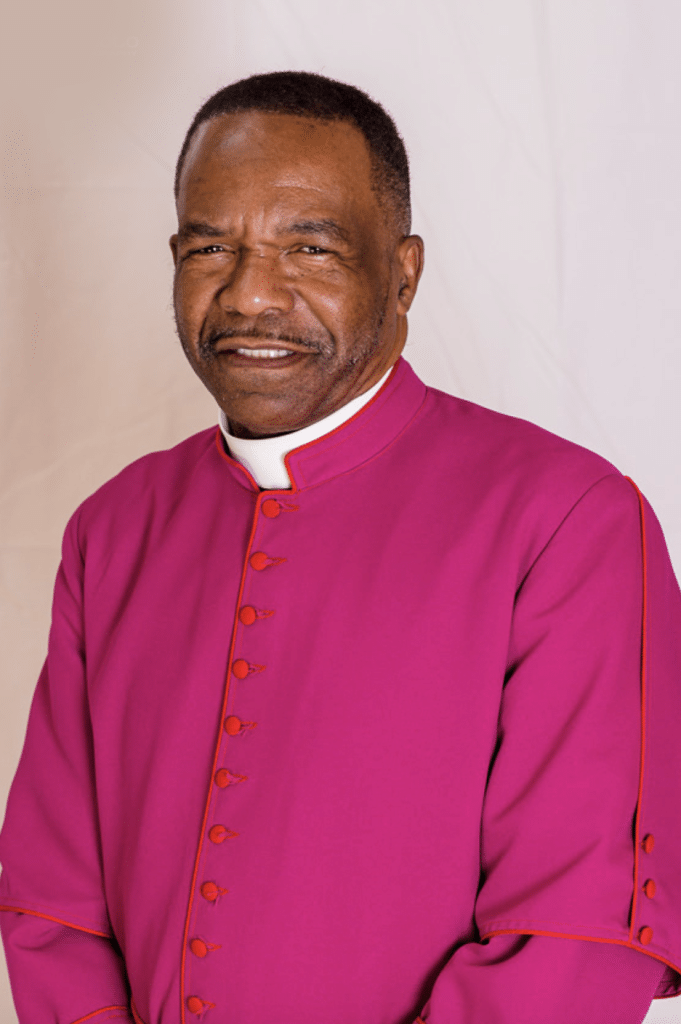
(545,146)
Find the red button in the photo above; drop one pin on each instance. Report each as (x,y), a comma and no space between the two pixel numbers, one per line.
(196,1005)
(240,668)
(211,891)
(224,778)
(650,889)
(248,615)
(198,947)
(232,725)
(645,936)
(219,833)
(648,843)
(259,560)
(271,508)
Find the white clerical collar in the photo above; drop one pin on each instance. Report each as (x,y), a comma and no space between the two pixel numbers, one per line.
(263,457)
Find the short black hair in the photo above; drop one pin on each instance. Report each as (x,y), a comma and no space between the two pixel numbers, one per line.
(305,94)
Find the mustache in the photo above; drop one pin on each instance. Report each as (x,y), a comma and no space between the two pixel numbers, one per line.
(208,343)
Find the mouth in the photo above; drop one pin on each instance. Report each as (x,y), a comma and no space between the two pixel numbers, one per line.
(263,353)
(263,356)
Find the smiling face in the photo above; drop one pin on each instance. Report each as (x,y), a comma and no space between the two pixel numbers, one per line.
(291,286)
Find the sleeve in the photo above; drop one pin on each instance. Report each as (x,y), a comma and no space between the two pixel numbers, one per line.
(525,979)
(62,975)
(580,845)
(64,962)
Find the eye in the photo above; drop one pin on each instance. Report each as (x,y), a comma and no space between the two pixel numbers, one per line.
(205,250)
(314,250)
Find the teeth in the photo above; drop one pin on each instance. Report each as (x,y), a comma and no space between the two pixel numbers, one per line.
(264,353)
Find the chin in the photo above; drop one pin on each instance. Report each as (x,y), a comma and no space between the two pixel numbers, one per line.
(261,428)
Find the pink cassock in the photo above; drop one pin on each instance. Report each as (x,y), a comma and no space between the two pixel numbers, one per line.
(330,755)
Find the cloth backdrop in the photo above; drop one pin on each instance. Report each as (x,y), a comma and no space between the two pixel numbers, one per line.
(546,165)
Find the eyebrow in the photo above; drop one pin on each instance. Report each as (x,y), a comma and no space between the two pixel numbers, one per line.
(326,227)
(199,229)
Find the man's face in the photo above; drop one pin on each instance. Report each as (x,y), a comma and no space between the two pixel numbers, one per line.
(291,287)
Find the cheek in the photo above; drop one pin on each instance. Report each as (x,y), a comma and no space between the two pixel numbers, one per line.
(339,304)
(191,299)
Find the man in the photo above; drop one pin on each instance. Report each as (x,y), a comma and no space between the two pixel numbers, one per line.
(362,709)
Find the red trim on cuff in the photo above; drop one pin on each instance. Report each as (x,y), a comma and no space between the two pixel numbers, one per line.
(584,938)
(104,1009)
(59,920)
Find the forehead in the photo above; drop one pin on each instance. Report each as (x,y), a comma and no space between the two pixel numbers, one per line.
(280,154)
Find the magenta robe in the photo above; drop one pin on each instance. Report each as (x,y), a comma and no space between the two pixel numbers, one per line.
(317,756)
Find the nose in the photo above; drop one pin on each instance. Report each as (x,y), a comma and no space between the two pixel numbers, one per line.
(256,286)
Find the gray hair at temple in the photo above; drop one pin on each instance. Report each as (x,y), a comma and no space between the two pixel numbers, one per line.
(305,94)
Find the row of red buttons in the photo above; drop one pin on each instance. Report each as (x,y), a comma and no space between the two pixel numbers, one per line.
(234,726)
(645,935)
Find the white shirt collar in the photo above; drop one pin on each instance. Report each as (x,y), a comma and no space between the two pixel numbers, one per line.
(263,457)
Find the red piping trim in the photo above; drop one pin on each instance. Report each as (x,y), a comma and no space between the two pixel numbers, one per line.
(219,438)
(58,920)
(95,1013)
(584,938)
(261,496)
(644,630)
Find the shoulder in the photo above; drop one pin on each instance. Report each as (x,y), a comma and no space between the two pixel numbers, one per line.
(519,476)
(156,479)
(157,470)
(507,450)
(515,440)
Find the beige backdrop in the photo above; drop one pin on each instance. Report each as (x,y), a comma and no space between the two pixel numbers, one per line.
(546,155)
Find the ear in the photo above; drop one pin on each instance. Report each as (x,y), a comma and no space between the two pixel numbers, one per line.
(410,261)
